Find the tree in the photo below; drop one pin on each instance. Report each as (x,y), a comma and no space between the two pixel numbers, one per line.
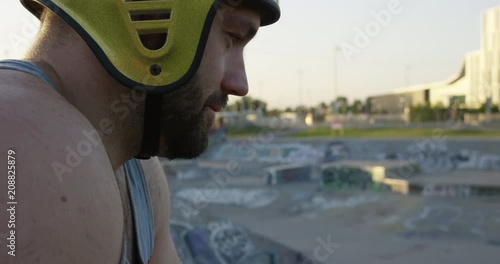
(357,107)
(248,103)
(275,112)
(301,110)
(313,110)
(323,106)
(259,105)
(342,104)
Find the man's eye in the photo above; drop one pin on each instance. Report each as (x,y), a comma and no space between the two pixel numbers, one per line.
(234,37)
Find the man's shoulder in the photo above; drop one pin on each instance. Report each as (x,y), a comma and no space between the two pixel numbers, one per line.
(157,181)
(44,126)
(164,250)
(65,181)
(35,116)
(158,190)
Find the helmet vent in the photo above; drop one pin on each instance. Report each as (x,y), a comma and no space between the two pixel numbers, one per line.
(135,16)
(150,25)
(154,41)
(150,22)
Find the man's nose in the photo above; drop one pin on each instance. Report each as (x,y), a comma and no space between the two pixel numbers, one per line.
(235,80)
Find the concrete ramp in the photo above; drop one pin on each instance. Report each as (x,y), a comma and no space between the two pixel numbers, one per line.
(457,184)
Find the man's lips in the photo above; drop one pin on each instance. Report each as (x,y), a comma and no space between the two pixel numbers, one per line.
(217,102)
(216,108)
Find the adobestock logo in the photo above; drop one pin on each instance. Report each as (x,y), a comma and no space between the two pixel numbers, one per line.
(121,108)
(325,249)
(20,41)
(372,29)
(322,252)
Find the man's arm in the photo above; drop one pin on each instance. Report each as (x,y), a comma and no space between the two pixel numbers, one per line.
(164,251)
(73,217)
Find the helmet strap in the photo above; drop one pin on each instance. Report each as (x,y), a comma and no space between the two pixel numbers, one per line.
(152,127)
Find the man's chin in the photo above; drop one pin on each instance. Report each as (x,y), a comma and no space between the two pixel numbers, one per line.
(188,150)
(185,140)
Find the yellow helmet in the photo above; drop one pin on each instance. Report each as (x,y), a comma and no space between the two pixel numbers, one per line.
(113,32)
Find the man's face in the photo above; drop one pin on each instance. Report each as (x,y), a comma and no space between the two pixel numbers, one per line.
(189,112)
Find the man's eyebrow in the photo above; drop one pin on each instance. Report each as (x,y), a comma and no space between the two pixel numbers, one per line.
(242,23)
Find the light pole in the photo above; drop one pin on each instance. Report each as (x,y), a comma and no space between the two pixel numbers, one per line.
(300,73)
(407,75)
(336,49)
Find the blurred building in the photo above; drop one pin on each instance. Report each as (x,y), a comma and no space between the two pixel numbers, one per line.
(476,83)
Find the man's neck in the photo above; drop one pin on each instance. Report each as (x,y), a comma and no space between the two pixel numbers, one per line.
(115,112)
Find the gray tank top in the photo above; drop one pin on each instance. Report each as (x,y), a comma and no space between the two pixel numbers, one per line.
(140,198)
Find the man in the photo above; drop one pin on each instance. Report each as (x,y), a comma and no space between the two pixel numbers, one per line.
(107,81)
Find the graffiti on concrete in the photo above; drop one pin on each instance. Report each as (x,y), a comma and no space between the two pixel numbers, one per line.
(201,250)
(190,174)
(254,198)
(336,151)
(268,257)
(231,243)
(430,156)
(289,174)
(305,154)
(178,231)
(447,190)
(188,209)
(269,153)
(219,242)
(434,156)
(320,203)
(466,159)
(344,177)
(489,162)
(448,220)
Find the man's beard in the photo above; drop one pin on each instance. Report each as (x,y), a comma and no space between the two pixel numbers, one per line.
(184,124)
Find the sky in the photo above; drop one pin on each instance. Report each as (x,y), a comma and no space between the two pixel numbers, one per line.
(292,62)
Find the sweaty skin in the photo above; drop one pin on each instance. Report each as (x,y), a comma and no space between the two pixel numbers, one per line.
(78,214)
